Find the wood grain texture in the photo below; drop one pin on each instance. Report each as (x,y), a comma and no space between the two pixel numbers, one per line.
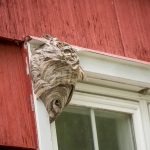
(85,23)
(134,23)
(17,126)
(119,27)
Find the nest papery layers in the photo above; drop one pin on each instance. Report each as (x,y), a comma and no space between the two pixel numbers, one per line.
(55,69)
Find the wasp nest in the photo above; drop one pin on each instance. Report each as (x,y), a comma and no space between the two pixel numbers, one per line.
(55,70)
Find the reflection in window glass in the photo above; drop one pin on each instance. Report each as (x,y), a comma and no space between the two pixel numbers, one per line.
(73,128)
(114,131)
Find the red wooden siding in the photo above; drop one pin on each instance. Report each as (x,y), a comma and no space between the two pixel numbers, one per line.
(17,127)
(114,26)
(134,23)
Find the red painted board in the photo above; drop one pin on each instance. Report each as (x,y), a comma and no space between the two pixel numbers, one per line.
(134,23)
(17,125)
(86,23)
(118,27)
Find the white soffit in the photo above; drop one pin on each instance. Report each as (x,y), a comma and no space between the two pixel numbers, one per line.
(102,67)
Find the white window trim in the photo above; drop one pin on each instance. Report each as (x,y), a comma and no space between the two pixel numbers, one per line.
(101,102)
(104,70)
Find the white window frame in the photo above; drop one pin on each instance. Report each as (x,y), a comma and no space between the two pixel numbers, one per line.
(110,104)
(122,78)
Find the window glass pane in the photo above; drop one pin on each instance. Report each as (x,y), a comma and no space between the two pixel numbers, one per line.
(73,129)
(114,130)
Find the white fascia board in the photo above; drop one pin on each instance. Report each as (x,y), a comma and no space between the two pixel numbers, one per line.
(99,65)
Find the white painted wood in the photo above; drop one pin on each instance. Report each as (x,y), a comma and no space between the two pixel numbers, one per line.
(42,120)
(43,126)
(115,69)
(108,83)
(94,130)
(149,109)
(139,131)
(145,120)
(109,91)
(103,102)
(54,136)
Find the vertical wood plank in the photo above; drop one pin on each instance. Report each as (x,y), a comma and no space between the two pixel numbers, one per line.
(119,27)
(134,22)
(17,126)
(85,23)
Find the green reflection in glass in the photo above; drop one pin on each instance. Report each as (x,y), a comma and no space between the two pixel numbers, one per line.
(74,131)
(114,130)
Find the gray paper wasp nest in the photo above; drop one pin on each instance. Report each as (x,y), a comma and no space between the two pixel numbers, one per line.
(55,70)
